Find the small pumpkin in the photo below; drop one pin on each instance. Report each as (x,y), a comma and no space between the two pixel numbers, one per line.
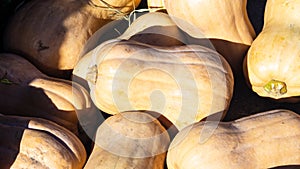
(28,142)
(184,83)
(51,34)
(28,92)
(132,139)
(272,63)
(263,140)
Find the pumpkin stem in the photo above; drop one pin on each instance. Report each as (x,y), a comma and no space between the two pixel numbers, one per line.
(275,87)
(4,80)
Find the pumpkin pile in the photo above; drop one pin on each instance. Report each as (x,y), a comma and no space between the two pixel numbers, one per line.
(177,84)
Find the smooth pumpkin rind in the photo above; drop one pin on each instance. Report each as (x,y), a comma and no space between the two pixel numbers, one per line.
(127,72)
(263,140)
(132,139)
(32,93)
(69,24)
(272,58)
(42,144)
(206,19)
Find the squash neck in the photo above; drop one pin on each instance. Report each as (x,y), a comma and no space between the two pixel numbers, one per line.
(282,13)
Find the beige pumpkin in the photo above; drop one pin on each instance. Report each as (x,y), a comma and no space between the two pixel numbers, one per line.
(263,140)
(132,139)
(38,143)
(25,91)
(184,83)
(154,28)
(224,23)
(52,34)
(227,20)
(272,63)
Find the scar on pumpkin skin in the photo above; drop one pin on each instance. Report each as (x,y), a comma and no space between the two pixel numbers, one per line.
(41,46)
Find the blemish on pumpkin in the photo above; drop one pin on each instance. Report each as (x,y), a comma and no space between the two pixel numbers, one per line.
(41,46)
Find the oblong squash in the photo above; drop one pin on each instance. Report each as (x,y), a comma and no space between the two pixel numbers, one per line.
(154,28)
(184,83)
(25,91)
(272,64)
(263,140)
(129,139)
(38,143)
(210,18)
(51,34)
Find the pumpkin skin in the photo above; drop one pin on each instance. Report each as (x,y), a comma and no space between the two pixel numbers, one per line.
(154,28)
(225,23)
(132,139)
(51,34)
(263,140)
(29,92)
(272,64)
(38,143)
(126,75)
(202,16)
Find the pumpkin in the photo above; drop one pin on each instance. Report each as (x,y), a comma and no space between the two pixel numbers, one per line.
(51,34)
(25,91)
(132,139)
(262,140)
(272,63)
(28,142)
(211,18)
(154,28)
(184,83)
(225,23)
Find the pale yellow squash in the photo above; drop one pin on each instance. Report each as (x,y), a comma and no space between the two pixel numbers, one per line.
(28,142)
(52,34)
(25,91)
(259,141)
(273,62)
(132,139)
(184,83)
(218,19)
(154,28)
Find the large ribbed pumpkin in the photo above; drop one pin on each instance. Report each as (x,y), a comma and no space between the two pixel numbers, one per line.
(184,83)
(52,33)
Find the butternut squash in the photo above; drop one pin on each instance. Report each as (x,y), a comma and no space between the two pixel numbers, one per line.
(25,91)
(132,139)
(262,140)
(28,142)
(272,63)
(184,83)
(51,34)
